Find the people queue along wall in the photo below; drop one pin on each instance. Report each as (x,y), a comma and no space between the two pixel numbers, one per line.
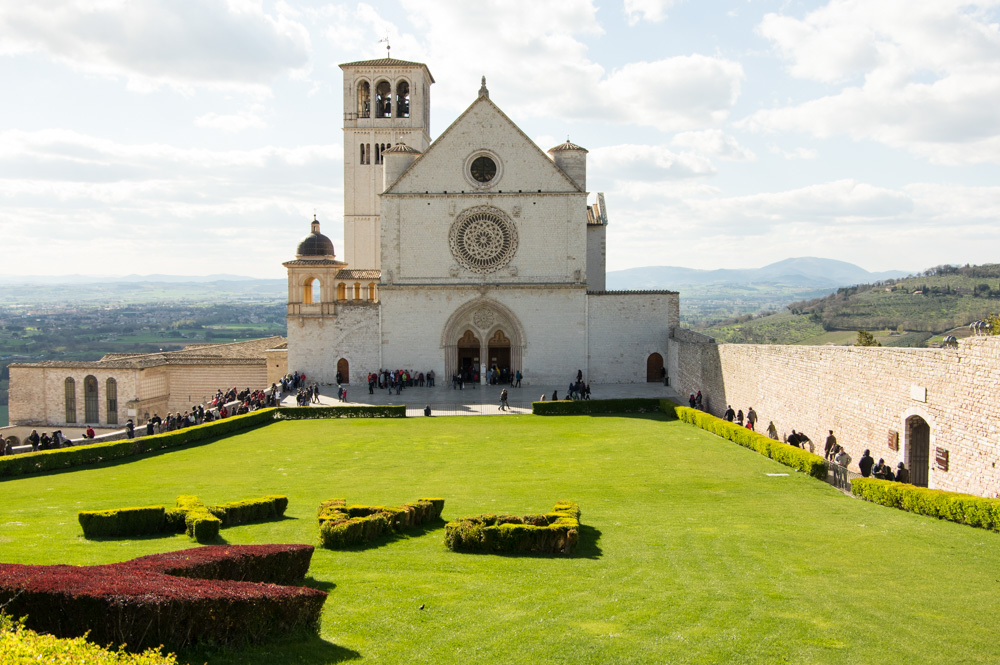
(832,450)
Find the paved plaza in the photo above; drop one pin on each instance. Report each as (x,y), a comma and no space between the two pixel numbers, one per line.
(481,399)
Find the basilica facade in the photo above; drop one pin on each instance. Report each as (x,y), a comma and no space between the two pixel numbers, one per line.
(475,250)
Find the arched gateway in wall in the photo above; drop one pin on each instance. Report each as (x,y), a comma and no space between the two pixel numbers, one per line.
(482,332)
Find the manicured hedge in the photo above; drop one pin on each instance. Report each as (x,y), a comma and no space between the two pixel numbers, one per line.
(557,532)
(22,645)
(176,599)
(190,515)
(783,453)
(595,406)
(341,525)
(122,522)
(975,511)
(66,458)
(318,412)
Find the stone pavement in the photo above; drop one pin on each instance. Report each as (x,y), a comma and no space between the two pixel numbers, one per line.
(481,400)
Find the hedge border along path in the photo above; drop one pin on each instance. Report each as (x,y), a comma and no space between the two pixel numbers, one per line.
(190,515)
(67,458)
(216,595)
(967,509)
(557,532)
(341,525)
(783,453)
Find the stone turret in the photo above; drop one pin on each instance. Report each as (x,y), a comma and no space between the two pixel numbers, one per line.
(396,160)
(572,159)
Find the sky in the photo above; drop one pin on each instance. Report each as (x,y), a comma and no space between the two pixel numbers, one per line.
(195,137)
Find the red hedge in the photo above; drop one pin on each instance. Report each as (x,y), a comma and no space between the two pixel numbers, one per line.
(208,595)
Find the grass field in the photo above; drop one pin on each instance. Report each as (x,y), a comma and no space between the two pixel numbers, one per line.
(690,552)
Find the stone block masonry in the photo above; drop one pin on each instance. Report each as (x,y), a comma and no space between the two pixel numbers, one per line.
(867,396)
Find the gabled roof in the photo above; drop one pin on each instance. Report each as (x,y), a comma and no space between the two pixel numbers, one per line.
(483,99)
(388,62)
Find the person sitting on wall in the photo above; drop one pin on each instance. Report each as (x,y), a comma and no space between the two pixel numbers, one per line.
(89,433)
(882,470)
(902,474)
(130,429)
(865,464)
(805,441)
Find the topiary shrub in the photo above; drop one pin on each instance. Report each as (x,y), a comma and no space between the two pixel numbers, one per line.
(783,453)
(356,411)
(557,532)
(221,595)
(122,522)
(596,406)
(342,526)
(967,509)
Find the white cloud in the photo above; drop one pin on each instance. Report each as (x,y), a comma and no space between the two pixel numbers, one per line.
(923,77)
(714,142)
(178,43)
(236,122)
(653,11)
(796,153)
(631,163)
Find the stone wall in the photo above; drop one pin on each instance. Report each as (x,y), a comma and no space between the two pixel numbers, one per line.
(864,394)
(624,328)
(315,344)
(38,394)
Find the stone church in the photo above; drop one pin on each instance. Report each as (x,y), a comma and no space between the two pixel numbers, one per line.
(474,250)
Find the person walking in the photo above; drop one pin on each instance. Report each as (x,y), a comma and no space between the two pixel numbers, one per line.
(503,400)
(831,445)
(751,418)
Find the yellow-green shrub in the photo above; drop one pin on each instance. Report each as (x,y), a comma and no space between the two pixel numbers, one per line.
(975,511)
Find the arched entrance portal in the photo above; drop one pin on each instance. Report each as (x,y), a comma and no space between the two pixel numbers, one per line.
(482,332)
(499,353)
(918,450)
(468,355)
(654,368)
(344,370)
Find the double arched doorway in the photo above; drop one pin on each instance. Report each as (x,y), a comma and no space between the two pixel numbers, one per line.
(482,335)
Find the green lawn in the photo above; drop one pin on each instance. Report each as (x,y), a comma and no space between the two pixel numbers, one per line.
(690,551)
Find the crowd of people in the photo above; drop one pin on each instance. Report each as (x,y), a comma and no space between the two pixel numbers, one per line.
(396,380)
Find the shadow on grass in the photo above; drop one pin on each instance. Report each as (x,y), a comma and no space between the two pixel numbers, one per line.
(389,539)
(321,585)
(300,648)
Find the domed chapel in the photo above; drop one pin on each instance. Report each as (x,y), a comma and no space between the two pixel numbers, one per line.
(474,250)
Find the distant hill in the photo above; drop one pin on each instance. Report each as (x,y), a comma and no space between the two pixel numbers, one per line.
(806,272)
(910,311)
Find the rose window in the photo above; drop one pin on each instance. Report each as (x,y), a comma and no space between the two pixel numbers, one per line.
(483,240)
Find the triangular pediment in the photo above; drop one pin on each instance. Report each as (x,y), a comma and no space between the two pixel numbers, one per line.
(483,129)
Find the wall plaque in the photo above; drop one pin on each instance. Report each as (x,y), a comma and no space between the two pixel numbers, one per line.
(941,459)
(893,440)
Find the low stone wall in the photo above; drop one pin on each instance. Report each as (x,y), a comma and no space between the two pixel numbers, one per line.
(866,395)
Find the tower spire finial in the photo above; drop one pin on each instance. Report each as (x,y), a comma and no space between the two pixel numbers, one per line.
(483,91)
(387,45)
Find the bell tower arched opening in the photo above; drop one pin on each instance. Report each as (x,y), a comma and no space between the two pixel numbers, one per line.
(403,99)
(364,99)
(383,100)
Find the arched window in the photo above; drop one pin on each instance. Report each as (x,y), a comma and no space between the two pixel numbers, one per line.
(403,99)
(313,292)
(378,153)
(361,156)
(372,293)
(364,99)
(70,400)
(368,153)
(112,397)
(357,290)
(91,413)
(383,100)
(341,291)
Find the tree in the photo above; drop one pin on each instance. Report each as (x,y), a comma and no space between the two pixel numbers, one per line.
(865,338)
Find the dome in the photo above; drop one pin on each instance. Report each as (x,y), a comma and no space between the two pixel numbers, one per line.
(315,244)
(567,146)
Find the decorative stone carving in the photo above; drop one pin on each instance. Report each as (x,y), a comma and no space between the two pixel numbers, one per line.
(483,318)
(483,239)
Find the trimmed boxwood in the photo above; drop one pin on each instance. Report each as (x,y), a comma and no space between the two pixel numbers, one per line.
(270,507)
(341,525)
(319,412)
(595,406)
(557,532)
(790,456)
(208,595)
(967,509)
(66,458)
(22,645)
(122,522)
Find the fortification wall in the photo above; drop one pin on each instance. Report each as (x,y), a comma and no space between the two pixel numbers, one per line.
(624,330)
(865,395)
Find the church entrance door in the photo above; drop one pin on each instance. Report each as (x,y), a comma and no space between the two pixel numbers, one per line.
(499,353)
(468,354)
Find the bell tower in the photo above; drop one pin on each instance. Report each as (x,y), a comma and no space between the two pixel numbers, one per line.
(386,102)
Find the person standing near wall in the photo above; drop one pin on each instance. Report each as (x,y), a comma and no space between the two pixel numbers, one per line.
(842,460)
(830,447)
(865,463)
(751,419)
(729,414)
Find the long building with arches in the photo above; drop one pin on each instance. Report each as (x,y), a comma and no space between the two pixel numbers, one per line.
(477,250)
